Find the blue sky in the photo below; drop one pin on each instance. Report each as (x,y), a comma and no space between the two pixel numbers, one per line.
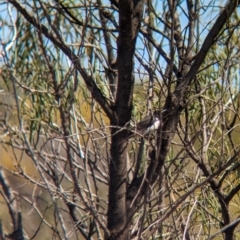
(208,13)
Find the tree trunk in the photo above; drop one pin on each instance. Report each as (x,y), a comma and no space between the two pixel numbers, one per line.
(130,16)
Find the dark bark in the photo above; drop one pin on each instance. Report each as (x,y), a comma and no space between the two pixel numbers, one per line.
(12,201)
(121,209)
(175,104)
(130,14)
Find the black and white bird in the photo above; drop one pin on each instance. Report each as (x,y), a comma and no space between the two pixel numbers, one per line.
(148,125)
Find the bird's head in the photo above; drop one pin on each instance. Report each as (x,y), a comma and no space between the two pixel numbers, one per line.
(157,113)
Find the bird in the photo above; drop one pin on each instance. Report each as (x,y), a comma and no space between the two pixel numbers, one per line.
(148,125)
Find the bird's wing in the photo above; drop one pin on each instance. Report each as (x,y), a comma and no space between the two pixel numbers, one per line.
(153,127)
(145,123)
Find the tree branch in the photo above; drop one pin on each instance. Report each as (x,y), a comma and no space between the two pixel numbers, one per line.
(211,37)
(89,81)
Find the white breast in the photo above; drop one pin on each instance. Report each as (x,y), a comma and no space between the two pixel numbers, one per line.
(153,127)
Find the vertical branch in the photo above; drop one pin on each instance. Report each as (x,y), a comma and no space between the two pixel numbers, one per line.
(111,73)
(12,202)
(192,15)
(130,16)
(151,58)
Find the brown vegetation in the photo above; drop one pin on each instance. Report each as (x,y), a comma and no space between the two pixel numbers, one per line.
(77,77)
